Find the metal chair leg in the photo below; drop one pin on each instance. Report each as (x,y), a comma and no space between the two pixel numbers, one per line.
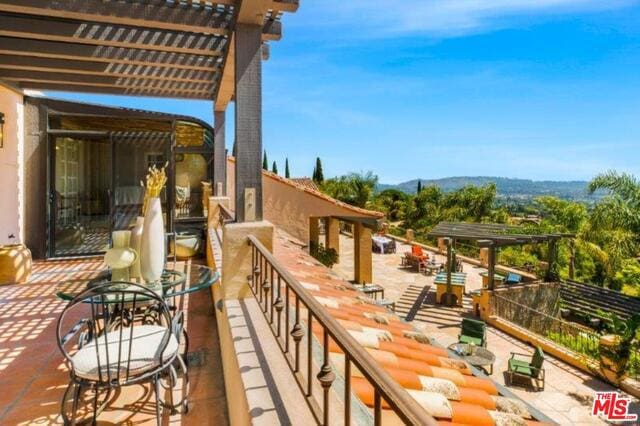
(156,381)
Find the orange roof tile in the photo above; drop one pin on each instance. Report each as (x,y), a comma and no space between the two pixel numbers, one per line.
(443,385)
(317,193)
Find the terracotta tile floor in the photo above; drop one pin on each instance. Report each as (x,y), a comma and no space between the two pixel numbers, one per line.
(33,376)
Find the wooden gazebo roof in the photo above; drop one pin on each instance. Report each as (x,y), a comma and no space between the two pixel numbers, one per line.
(494,234)
(167,48)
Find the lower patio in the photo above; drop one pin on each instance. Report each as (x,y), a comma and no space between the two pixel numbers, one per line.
(33,376)
(569,392)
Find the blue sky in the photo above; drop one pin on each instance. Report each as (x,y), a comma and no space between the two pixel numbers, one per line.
(539,89)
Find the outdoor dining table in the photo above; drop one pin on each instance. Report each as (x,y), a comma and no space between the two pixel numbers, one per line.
(172,284)
(381,242)
(474,355)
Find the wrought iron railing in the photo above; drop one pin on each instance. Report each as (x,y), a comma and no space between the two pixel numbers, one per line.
(576,338)
(280,294)
(571,336)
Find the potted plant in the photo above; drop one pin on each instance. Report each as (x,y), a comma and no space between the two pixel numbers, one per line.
(615,347)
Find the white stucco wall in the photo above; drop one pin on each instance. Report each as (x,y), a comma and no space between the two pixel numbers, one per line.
(11,170)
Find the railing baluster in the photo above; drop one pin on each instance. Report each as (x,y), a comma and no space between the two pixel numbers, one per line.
(326,377)
(347,390)
(297,334)
(279,305)
(272,295)
(309,352)
(384,387)
(287,305)
(377,408)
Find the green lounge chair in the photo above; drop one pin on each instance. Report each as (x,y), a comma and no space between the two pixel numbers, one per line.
(531,369)
(473,331)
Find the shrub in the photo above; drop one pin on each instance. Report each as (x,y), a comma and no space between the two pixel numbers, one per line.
(327,256)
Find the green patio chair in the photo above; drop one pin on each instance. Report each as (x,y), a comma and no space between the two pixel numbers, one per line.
(473,331)
(531,369)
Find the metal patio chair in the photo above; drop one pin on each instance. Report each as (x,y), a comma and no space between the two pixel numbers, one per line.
(127,336)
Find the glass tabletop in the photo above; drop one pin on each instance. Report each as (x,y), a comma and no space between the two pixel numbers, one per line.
(183,279)
(475,355)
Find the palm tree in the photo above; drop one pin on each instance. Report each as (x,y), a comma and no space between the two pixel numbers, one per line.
(615,220)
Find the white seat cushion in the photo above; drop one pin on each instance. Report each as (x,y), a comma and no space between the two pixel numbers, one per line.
(145,353)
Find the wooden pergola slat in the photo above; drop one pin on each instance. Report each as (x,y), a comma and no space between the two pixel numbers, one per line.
(144,14)
(106,55)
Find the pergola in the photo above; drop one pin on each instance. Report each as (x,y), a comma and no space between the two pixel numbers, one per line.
(192,49)
(492,236)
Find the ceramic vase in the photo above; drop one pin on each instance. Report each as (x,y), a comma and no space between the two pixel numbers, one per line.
(135,243)
(152,246)
(120,240)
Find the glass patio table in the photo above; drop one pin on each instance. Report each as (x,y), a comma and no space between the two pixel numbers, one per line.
(474,355)
(173,283)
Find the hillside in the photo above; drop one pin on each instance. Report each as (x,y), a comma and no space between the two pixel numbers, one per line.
(507,187)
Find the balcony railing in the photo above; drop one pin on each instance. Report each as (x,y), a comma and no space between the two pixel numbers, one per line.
(578,339)
(280,294)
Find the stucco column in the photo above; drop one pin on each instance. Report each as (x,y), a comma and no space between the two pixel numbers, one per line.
(248,122)
(236,255)
(219,155)
(362,254)
(332,237)
(314,231)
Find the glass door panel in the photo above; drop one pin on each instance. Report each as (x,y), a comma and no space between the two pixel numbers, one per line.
(80,199)
(133,157)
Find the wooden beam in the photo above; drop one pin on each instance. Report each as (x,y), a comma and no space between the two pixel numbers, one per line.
(208,20)
(109,35)
(99,80)
(110,90)
(285,5)
(225,89)
(106,55)
(23,63)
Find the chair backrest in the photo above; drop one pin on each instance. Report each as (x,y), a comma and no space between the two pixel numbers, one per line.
(473,328)
(113,315)
(538,358)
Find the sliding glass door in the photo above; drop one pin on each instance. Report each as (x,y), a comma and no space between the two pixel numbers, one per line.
(80,197)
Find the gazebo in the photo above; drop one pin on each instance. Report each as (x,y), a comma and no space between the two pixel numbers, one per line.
(493,236)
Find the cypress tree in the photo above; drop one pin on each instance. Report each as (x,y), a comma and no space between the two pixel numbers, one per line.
(286,168)
(419,186)
(315,174)
(274,168)
(265,162)
(319,176)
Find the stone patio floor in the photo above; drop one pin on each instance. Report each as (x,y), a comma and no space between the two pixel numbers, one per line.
(33,376)
(568,392)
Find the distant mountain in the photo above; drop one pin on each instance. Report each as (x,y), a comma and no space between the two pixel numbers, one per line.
(506,187)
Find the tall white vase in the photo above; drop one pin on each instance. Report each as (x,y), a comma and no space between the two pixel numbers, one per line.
(152,247)
(136,243)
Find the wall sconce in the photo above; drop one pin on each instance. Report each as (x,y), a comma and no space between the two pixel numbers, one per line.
(1,130)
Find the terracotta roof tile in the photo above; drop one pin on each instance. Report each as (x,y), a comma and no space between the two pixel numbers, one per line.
(444,386)
(317,193)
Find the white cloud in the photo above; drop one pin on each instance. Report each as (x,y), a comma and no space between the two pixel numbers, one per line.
(441,18)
